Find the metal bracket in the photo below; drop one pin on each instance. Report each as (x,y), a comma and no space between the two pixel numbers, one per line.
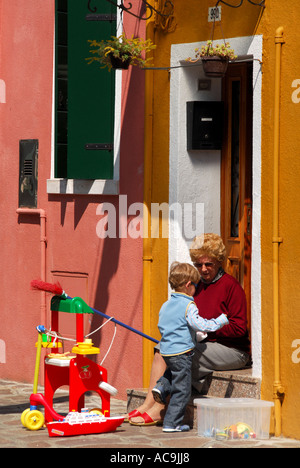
(101,17)
(147,6)
(99,146)
(277,240)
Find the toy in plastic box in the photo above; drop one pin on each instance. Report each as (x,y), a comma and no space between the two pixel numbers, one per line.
(233,418)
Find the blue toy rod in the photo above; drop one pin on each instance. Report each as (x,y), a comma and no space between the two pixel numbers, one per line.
(57,290)
(122,324)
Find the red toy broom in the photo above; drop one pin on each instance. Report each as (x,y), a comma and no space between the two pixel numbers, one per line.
(57,290)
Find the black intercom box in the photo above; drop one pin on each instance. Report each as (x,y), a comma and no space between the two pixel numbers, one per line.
(205,125)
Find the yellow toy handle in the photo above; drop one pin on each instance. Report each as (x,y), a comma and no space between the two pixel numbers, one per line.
(37,363)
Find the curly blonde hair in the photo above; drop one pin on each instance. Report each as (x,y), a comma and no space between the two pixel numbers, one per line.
(210,245)
(182,273)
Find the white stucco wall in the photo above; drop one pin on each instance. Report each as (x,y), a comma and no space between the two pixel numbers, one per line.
(195,175)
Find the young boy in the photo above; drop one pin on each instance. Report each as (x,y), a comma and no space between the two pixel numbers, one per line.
(178,323)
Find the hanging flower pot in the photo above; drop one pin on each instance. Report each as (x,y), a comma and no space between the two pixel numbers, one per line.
(214,59)
(214,66)
(120,52)
(120,63)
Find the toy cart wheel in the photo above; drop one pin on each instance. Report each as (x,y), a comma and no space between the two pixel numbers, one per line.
(34,420)
(96,411)
(23,416)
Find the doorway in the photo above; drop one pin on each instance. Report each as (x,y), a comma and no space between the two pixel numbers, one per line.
(236,174)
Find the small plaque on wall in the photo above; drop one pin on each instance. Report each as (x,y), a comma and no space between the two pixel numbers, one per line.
(214,14)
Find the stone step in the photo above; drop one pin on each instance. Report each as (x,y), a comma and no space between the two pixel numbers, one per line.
(233,384)
(221,384)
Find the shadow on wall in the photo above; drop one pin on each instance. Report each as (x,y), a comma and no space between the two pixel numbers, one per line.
(108,268)
(105,256)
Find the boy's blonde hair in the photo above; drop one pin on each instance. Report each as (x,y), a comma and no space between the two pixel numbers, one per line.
(210,245)
(182,273)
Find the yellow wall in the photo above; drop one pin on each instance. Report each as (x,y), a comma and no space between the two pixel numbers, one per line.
(289,213)
(192,26)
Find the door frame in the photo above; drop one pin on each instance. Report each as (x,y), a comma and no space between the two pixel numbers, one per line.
(204,167)
(238,246)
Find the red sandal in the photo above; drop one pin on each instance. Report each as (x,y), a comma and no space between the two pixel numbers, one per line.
(148,421)
(133,414)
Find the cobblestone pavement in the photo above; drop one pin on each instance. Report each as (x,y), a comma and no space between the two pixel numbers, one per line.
(14,399)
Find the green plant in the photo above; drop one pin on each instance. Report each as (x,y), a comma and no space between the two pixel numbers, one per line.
(121,47)
(222,51)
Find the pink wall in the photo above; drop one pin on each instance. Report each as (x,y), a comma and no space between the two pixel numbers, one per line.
(106,273)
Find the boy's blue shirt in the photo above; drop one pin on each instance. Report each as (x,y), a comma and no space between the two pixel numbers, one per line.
(179,320)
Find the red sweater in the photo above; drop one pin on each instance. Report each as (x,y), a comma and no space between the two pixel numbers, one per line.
(228,297)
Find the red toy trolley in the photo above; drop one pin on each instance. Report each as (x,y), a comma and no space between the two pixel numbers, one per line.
(79,372)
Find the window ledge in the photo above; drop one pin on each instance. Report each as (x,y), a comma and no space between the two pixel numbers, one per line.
(82,187)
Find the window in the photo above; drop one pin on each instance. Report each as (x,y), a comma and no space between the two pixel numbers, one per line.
(84,94)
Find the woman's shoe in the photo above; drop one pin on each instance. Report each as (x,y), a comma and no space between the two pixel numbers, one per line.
(133,414)
(148,421)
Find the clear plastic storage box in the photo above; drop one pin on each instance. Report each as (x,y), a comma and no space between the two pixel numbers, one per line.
(233,418)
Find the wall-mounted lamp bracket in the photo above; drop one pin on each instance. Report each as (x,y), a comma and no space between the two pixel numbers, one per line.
(150,10)
(260,3)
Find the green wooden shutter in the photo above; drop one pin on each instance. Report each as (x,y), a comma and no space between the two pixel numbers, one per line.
(87,118)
